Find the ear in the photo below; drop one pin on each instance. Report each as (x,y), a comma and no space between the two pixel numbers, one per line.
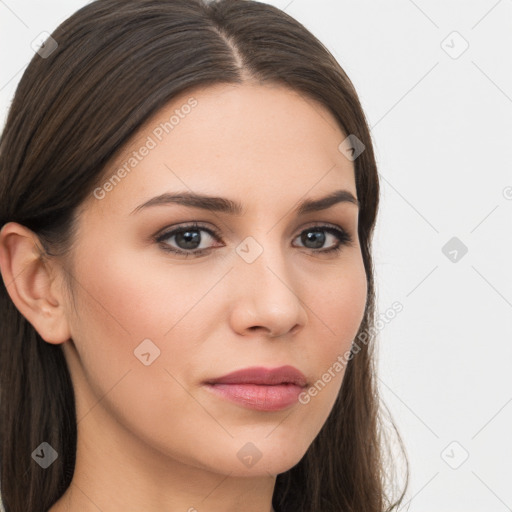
(30,282)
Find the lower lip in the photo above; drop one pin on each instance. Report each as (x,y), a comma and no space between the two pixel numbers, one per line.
(259,397)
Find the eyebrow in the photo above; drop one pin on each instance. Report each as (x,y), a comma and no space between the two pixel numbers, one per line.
(228,206)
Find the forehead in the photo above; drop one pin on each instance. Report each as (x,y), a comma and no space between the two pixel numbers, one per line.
(251,142)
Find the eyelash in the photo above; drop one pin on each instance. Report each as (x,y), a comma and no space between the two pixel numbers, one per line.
(344,238)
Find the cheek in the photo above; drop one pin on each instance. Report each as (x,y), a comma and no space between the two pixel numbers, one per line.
(130,298)
(337,312)
(121,304)
(341,308)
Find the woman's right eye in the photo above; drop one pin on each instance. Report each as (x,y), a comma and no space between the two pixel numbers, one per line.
(188,239)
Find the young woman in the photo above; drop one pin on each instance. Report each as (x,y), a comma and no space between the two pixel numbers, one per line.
(188,193)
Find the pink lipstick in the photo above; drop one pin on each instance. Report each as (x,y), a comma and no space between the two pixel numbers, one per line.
(260,388)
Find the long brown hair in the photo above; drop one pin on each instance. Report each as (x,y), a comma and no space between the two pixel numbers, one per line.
(116,64)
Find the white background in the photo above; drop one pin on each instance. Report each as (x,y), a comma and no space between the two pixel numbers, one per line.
(442,129)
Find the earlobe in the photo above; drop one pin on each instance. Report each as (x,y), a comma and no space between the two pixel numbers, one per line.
(30,283)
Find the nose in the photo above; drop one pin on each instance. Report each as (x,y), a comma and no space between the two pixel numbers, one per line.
(266,297)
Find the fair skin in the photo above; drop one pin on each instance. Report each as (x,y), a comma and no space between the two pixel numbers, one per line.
(151,437)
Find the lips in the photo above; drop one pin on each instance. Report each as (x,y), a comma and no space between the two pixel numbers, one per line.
(260,388)
(263,376)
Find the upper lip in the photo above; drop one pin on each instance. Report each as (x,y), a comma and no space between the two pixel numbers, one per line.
(264,376)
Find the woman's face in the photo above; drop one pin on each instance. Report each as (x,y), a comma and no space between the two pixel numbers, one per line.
(152,326)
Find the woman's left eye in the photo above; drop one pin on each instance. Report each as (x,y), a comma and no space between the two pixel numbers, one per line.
(316,235)
(189,240)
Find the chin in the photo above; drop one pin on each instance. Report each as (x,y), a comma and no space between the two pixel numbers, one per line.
(264,457)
